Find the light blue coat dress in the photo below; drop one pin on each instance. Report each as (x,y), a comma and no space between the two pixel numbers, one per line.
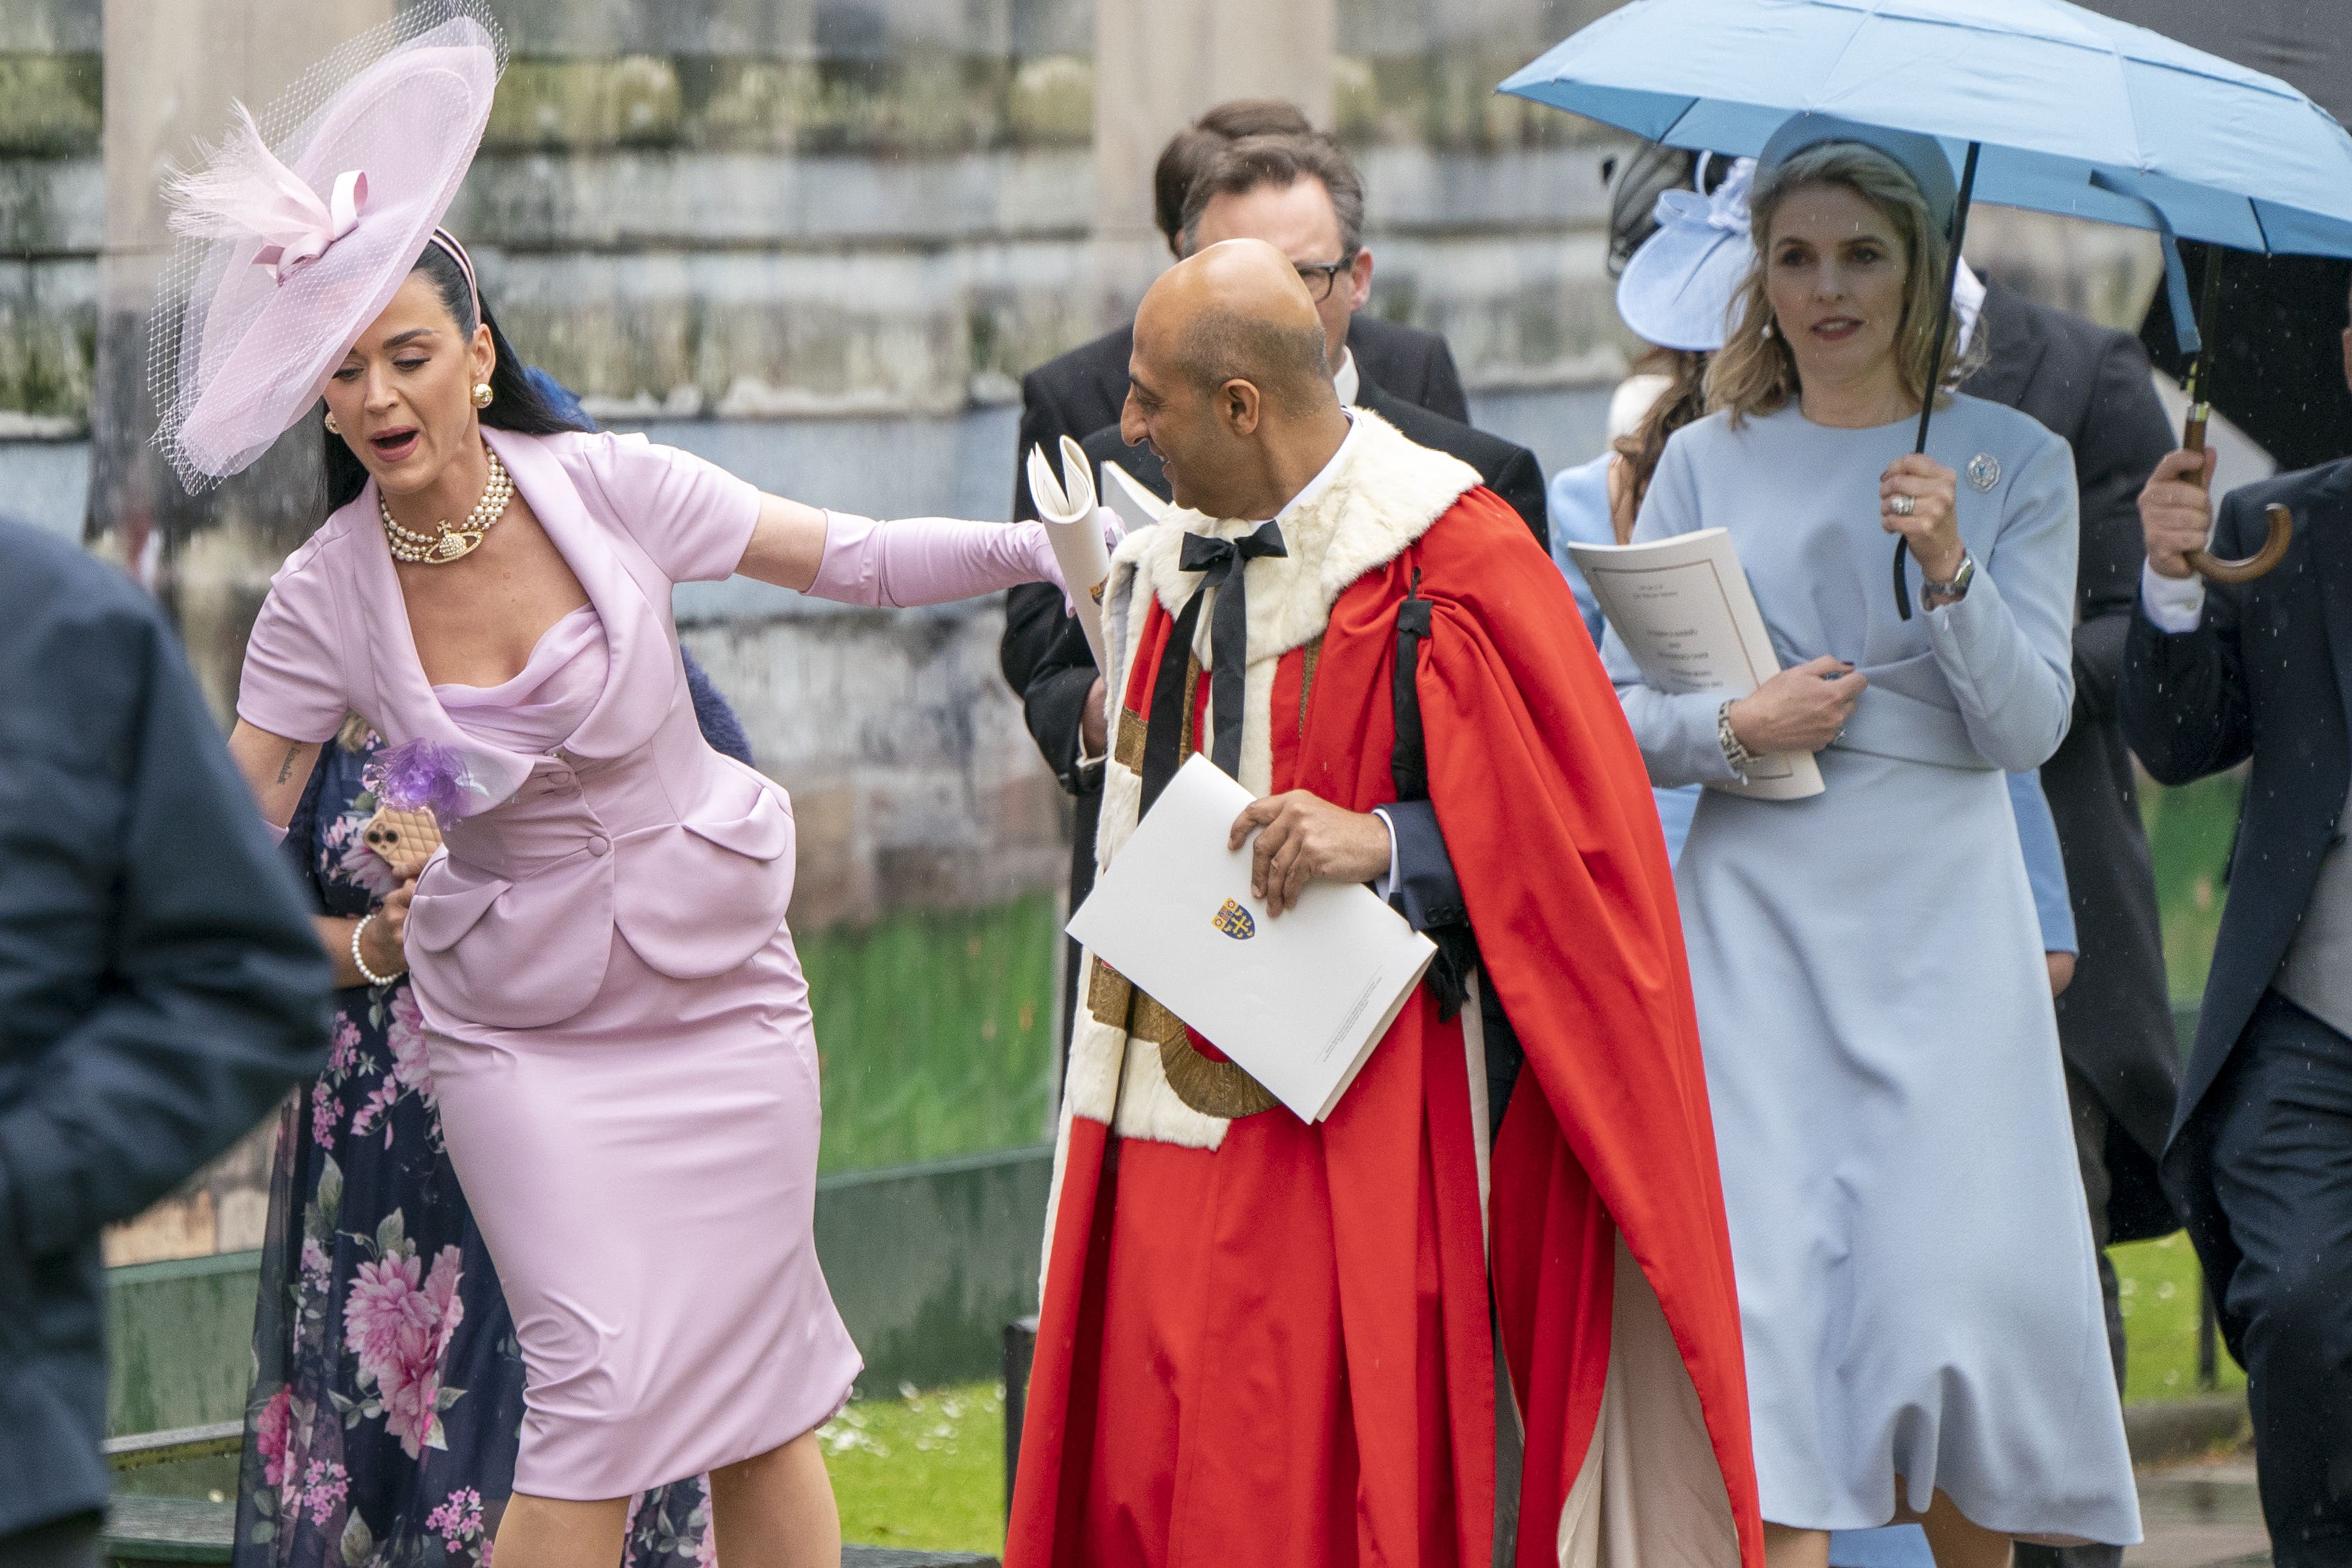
(1918,1294)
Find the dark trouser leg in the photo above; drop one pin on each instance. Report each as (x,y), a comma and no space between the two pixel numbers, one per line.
(64,1543)
(2091,1154)
(2282,1163)
(1510,1461)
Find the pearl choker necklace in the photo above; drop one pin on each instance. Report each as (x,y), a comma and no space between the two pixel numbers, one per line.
(453,543)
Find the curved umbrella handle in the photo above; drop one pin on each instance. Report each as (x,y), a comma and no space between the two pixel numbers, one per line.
(2213,569)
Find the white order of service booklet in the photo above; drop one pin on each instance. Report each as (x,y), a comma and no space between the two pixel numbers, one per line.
(1298,1000)
(1684,610)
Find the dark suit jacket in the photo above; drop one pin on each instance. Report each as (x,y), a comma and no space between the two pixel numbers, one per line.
(2266,675)
(2091,386)
(161,986)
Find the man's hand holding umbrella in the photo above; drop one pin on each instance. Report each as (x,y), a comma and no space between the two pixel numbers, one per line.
(2176,511)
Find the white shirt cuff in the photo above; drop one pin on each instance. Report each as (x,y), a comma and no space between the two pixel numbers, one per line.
(1385,883)
(2174,605)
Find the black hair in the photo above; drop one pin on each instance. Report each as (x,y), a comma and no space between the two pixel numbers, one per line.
(515,403)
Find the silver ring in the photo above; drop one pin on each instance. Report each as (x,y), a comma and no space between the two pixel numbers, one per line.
(1902,505)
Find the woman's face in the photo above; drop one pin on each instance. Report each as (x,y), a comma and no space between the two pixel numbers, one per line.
(1835,276)
(404,395)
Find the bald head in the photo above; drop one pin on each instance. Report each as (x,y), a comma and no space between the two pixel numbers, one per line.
(1228,382)
(1239,311)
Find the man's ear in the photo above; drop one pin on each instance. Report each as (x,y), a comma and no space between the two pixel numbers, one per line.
(1240,404)
(1359,280)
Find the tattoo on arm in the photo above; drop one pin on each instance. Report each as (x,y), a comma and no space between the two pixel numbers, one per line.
(286,768)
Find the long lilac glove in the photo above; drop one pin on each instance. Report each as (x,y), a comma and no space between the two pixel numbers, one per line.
(928,560)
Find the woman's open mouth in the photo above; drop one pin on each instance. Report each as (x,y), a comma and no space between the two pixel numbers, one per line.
(391,446)
(1837,328)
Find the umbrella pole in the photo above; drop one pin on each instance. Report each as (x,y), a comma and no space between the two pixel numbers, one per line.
(1943,335)
(2279,521)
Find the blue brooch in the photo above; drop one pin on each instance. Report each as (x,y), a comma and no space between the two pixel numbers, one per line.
(1984,472)
(1234,921)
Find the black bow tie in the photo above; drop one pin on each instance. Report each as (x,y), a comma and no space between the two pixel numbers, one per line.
(1223,560)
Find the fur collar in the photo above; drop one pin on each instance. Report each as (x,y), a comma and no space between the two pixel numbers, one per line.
(1386,493)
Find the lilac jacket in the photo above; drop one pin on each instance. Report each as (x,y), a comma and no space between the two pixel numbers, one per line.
(634,824)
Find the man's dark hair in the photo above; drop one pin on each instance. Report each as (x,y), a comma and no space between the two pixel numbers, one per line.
(1281,161)
(1189,150)
(1286,364)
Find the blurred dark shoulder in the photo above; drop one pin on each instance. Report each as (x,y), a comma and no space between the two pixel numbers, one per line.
(79,640)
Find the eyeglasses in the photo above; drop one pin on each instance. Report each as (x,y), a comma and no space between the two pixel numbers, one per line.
(1322,276)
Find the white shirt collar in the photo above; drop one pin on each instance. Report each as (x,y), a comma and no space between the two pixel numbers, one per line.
(1306,493)
(1323,475)
(1345,381)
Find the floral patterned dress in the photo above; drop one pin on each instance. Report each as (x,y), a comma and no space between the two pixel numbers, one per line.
(387,1399)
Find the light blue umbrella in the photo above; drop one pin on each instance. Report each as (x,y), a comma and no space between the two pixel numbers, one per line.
(2076,114)
(2038,103)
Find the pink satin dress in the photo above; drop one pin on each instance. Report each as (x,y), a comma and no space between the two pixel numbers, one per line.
(663,1276)
(620,1035)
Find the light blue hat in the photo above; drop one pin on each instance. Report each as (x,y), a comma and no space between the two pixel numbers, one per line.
(1921,157)
(1678,289)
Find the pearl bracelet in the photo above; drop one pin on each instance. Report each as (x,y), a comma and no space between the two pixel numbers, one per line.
(370,976)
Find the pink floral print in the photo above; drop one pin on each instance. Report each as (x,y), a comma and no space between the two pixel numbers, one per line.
(270,1434)
(398,1326)
(405,1034)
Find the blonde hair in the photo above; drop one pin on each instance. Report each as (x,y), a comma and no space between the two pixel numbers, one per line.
(1682,401)
(1755,371)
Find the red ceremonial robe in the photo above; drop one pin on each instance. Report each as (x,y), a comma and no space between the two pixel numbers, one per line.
(1273,1346)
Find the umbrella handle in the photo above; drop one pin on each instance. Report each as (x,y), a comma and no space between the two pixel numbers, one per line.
(2214,568)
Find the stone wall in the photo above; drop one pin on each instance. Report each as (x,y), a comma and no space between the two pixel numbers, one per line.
(52,215)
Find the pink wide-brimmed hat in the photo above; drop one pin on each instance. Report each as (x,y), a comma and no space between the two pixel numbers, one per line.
(297,231)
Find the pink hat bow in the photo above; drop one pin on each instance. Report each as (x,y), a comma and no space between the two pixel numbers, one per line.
(302,227)
(249,190)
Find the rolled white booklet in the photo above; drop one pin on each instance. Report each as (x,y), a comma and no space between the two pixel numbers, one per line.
(1074,525)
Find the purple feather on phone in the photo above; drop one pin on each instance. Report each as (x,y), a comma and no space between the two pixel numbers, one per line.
(420,776)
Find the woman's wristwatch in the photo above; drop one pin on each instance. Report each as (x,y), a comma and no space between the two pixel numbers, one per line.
(1739,756)
(1958,588)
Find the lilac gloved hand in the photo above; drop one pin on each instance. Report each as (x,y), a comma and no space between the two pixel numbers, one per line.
(928,560)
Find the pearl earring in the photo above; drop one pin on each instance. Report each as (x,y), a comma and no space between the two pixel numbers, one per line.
(482,394)
(333,428)
(1770,331)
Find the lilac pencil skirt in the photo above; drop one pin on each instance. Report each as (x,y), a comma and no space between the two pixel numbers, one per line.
(644,1175)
